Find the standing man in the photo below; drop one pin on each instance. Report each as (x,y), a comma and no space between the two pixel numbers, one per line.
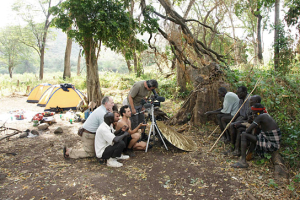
(138,92)
(89,129)
(107,145)
(225,114)
(135,134)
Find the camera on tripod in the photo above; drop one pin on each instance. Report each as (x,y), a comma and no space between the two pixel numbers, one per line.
(153,100)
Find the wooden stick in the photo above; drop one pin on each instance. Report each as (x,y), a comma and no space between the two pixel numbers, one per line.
(213,131)
(236,113)
(14,133)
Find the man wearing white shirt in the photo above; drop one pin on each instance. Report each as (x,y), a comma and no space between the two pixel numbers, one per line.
(107,145)
(225,114)
(89,129)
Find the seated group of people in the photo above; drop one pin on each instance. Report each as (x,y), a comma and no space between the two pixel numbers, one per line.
(251,124)
(107,136)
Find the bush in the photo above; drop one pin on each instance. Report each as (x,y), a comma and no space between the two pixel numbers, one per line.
(280,97)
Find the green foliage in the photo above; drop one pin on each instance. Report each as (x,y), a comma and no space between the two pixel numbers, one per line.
(12,50)
(103,21)
(272,183)
(297,178)
(292,16)
(285,45)
(280,97)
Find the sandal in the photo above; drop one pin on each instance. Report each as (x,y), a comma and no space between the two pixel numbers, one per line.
(64,152)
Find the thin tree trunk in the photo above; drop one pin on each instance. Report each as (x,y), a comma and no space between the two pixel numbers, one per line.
(276,35)
(92,77)
(78,63)
(259,45)
(67,66)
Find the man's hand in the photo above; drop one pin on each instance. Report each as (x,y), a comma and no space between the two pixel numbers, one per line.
(143,108)
(133,111)
(141,124)
(208,113)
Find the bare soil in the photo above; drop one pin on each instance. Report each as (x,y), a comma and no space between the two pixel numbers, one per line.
(37,169)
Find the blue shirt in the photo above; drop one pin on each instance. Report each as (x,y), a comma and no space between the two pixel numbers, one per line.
(95,119)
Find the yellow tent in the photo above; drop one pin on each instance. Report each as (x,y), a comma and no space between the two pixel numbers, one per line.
(64,96)
(36,93)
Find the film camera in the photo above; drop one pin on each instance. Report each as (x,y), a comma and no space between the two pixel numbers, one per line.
(150,104)
(153,100)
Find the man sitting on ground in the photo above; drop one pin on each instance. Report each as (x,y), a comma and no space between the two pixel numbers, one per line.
(225,114)
(135,134)
(268,140)
(237,127)
(89,129)
(107,145)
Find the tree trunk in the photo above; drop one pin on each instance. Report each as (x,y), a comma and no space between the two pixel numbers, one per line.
(134,62)
(181,80)
(42,56)
(92,77)
(67,67)
(203,98)
(10,70)
(276,35)
(259,45)
(78,63)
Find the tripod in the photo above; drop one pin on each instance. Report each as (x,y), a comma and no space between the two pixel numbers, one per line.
(153,127)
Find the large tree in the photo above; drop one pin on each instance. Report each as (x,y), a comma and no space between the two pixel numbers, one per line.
(200,63)
(12,51)
(95,22)
(31,13)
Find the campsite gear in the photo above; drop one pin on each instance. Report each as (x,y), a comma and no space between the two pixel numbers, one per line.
(177,139)
(86,114)
(35,123)
(38,117)
(36,93)
(61,97)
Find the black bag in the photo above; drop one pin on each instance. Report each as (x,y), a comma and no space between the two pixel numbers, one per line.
(80,131)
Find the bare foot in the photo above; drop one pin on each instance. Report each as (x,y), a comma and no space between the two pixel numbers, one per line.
(240,164)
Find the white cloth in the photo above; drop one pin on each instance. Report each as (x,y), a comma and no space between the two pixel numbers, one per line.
(104,138)
(95,119)
(231,103)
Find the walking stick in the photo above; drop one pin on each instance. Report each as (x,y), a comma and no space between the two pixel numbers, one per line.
(213,131)
(257,82)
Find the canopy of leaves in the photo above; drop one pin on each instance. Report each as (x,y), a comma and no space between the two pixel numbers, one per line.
(105,21)
(293,15)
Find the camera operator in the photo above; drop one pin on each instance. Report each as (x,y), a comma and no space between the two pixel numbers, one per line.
(138,92)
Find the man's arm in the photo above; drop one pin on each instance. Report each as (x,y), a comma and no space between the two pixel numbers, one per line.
(213,112)
(136,129)
(119,138)
(130,100)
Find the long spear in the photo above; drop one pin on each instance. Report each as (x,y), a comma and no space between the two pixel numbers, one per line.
(256,84)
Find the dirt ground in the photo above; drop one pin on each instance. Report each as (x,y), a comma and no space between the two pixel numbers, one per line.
(34,168)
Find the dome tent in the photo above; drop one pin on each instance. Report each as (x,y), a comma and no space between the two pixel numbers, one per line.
(36,93)
(63,96)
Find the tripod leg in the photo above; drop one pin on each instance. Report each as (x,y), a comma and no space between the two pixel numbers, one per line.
(149,135)
(159,133)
